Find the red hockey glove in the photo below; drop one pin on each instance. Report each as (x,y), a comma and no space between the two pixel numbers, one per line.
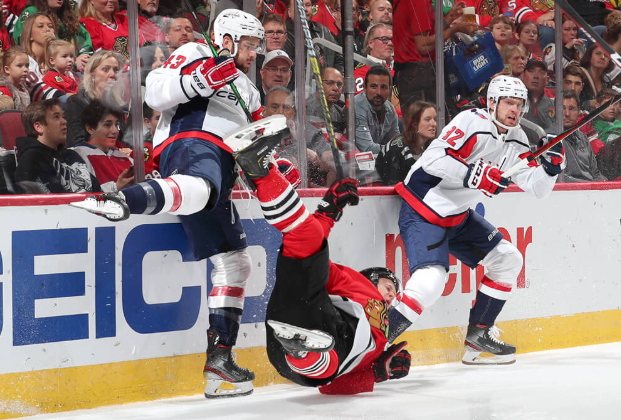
(394,363)
(553,160)
(290,172)
(486,178)
(213,74)
(341,193)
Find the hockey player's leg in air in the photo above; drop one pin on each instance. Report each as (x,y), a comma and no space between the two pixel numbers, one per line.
(199,108)
(327,325)
(436,219)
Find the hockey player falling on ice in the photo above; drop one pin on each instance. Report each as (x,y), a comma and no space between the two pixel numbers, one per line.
(436,217)
(192,90)
(327,325)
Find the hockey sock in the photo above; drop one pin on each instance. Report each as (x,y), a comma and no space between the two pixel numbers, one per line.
(315,365)
(397,323)
(486,308)
(177,194)
(281,205)
(226,321)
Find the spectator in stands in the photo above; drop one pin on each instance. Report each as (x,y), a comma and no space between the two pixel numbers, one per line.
(597,65)
(275,32)
(42,157)
(398,155)
(328,13)
(380,12)
(514,56)
(607,126)
(13,91)
(152,57)
(151,119)
(326,57)
(573,46)
(501,28)
(276,71)
(572,79)
(379,48)
(541,109)
(268,7)
(541,13)
(112,168)
(109,28)
(332,80)
(148,9)
(99,82)
(59,59)
(179,32)
(527,35)
(613,37)
(38,30)
(5,39)
(376,118)
(581,162)
(414,42)
(65,19)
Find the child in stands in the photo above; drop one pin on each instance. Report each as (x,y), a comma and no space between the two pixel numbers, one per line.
(13,91)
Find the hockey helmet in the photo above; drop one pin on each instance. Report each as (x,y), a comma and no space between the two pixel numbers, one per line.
(236,24)
(506,87)
(375,273)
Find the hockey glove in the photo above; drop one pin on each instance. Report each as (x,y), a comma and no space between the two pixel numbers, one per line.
(290,172)
(486,178)
(341,193)
(394,363)
(213,74)
(553,160)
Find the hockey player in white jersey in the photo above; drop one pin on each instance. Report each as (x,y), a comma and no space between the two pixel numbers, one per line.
(193,91)
(436,217)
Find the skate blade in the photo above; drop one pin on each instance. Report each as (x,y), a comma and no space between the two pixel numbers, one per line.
(92,207)
(477,357)
(244,136)
(219,388)
(315,340)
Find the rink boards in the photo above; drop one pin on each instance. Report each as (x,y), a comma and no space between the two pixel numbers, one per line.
(95,313)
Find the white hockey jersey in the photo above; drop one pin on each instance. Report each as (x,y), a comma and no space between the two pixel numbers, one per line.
(434,187)
(187,114)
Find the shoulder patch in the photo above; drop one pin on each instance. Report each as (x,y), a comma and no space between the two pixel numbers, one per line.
(58,79)
(315,9)
(548,50)
(24,16)
(360,65)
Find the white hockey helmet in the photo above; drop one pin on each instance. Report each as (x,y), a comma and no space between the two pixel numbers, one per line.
(506,87)
(236,24)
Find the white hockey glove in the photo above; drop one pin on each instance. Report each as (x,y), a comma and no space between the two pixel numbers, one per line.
(213,74)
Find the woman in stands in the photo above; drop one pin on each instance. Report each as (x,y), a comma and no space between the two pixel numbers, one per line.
(398,155)
(65,18)
(527,34)
(596,65)
(514,56)
(110,166)
(573,46)
(100,81)
(109,28)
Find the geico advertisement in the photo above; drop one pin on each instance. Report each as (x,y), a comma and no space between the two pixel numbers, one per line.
(78,290)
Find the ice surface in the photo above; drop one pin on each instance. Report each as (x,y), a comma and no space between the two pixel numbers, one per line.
(578,383)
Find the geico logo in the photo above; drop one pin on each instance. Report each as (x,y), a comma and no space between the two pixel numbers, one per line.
(227,95)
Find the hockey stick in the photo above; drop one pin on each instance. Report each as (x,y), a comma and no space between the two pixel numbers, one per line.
(322,94)
(190,9)
(524,162)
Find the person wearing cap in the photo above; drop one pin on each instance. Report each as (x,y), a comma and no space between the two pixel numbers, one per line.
(275,71)
(541,109)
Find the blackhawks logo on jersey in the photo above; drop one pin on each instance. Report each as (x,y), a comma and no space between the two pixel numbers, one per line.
(147,154)
(58,79)
(377,314)
(120,46)
(315,9)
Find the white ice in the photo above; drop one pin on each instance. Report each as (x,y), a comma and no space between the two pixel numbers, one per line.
(578,383)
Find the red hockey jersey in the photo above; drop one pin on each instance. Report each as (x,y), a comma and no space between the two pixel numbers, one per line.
(64,83)
(322,14)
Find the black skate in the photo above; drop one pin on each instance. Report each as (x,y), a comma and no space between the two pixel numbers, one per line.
(255,159)
(485,340)
(299,341)
(224,377)
(110,205)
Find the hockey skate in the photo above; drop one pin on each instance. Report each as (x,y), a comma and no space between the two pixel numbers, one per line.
(299,341)
(111,205)
(244,136)
(255,158)
(484,340)
(224,377)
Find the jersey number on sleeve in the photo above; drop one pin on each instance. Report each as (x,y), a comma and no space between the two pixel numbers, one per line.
(174,61)
(453,135)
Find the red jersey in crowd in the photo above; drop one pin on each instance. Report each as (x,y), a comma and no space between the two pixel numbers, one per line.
(64,83)
(532,9)
(411,17)
(323,15)
(5,41)
(278,7)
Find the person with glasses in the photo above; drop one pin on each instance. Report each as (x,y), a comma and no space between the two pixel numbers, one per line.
(275,32)
(378,47)
(376,117)
(276,71)
(332,80)
(581,161)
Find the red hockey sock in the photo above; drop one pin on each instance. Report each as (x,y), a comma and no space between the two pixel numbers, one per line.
(315,365)
(281,205)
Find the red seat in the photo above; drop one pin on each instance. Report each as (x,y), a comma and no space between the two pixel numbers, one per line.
(10,128)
